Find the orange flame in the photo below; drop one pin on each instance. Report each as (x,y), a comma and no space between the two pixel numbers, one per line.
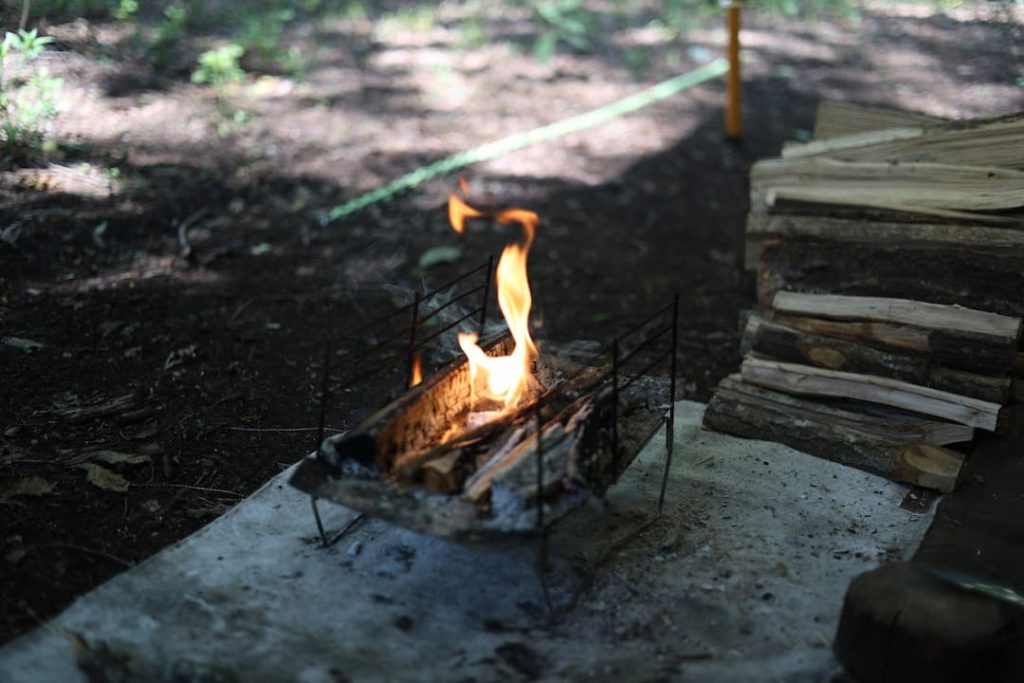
(459,211)
(504,378)
(417,371)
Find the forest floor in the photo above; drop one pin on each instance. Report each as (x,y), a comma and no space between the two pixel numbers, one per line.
(171,261)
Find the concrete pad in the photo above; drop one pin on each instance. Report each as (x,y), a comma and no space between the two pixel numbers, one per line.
(741,579)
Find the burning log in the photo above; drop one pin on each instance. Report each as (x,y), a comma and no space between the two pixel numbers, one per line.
(485,486)
(803,380)
(417,420)
(500,442)
(894,444)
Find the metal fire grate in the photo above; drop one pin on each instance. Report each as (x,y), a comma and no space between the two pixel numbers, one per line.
(388,343)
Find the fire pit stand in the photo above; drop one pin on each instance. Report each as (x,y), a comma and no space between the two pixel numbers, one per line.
(426,461)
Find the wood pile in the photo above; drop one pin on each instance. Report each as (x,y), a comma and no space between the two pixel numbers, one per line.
(889,255)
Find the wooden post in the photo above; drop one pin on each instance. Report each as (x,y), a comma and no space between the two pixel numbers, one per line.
(733,84)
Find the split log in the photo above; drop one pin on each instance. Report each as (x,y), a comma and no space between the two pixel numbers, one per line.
(898,449)
(441,474)
(989,142)
(981,353)
(988,279)
(772,228)
(802,380)
(834,119)
(792,346)
(901,311)
(884,422)
(942,190)
(418,419)
(407,466)
(779,342)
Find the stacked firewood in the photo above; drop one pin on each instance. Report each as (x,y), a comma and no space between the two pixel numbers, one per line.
(889,254)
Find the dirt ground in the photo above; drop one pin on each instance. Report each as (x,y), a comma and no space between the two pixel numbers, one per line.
(172,260)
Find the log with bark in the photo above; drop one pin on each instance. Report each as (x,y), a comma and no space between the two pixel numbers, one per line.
(986,194)
(778,341)
(983,142)
(980,353)
(988,279)
(894,444)
(803,380)
(764,229)
(953,317)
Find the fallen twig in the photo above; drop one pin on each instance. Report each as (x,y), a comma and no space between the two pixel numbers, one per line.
(190,487)
(88,551)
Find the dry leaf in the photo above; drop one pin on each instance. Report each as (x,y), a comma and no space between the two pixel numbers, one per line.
(103,478)
(28,486)
(117,458)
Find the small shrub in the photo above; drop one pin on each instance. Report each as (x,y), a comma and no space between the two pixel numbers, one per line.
(220,66)
(28,106)
(563,21)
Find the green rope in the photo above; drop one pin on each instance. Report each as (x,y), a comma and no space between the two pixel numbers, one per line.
(512,143)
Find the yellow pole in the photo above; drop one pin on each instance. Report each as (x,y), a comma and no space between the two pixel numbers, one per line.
(733,83)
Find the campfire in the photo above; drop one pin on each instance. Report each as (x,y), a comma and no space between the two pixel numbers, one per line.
(507,438)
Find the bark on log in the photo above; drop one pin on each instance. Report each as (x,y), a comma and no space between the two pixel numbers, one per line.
(885,448)
(990,142)
(901,311)
(942,190)
(764,229)
(802,380)
(787,344)
(986,279)
(884,422)
(985,354)
(793,346)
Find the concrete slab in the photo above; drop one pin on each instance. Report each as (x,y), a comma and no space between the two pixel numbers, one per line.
(741,579)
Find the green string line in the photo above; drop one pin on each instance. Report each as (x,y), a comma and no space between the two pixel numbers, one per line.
(512,143)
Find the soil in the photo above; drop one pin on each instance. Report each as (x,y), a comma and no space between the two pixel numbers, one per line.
(172,260)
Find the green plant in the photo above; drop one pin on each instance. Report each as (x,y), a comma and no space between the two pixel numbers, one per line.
(170,30)
(563,21)
(27,106)
(262,32)
(295,63)
(126,9)
(220,66)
